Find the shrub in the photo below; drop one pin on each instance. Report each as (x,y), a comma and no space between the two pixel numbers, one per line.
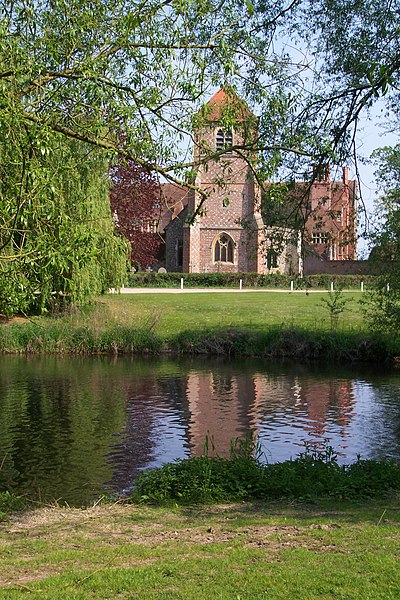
(9,503)
(313,474)
(367,477)
(200,480)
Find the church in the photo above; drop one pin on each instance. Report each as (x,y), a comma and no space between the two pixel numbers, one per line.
(228,232)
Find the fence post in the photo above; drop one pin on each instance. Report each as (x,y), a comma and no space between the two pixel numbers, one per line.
(387,287)
(331,286)
(291,285)
(181,283)
(240,284)
(362,286)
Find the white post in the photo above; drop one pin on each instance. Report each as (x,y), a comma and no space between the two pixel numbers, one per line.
(240,284)
(291,285)
(181,283)
(387,287)
(362,286)
(331,286)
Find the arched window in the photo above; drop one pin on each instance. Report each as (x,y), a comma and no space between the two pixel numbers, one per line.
(223,249)
(224,139)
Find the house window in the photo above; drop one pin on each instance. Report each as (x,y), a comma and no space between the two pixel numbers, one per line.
(272,259)
(224,139)
(319,237)
(223,249)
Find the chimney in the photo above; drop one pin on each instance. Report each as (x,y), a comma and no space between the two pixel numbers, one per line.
(327,172)
(321,172)
(346,175)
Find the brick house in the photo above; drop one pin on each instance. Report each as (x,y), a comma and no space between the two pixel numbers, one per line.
(331,223)
(229,233)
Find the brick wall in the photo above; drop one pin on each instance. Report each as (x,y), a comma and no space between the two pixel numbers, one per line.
(229,208)
(333,206)
(314,265)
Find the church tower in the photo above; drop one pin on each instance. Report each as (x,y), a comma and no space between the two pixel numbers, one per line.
(227,235)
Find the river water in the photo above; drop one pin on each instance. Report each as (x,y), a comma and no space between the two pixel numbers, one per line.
(74,428)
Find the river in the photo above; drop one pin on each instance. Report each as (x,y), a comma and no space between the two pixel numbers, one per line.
(74,428)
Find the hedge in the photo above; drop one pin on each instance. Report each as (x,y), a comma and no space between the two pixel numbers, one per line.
(249,280)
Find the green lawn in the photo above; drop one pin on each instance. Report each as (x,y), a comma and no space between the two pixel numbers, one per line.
(280,325)
(258,552)
(173,313)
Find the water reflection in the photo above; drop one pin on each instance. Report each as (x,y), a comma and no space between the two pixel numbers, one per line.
(72,428)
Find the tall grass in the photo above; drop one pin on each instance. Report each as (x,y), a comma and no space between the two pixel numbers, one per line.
(62,338)
(292,343)
(220,324)
(273,343)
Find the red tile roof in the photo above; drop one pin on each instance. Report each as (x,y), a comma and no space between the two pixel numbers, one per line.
(222,99)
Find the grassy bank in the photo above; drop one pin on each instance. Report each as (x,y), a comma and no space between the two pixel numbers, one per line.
(272,325)
(232,552)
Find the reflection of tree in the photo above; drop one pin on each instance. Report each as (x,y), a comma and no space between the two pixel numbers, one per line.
(56,420)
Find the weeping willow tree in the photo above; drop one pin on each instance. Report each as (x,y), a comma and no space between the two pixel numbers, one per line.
(57,240)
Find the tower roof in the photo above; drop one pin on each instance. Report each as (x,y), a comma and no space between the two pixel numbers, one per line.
(224,101)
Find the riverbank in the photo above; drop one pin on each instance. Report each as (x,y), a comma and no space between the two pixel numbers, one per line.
(278,551)
(273,325)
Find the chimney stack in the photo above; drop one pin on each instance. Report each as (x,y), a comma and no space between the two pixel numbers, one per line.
(321,172)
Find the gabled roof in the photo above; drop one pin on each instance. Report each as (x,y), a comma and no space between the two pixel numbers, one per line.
(174,200)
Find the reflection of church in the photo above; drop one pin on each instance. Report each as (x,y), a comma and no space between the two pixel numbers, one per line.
(224,405)
(221,408)
(228,234)
(325,402)
(173,416)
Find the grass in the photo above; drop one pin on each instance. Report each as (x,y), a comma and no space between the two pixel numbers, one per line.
(175,313)
(270,325)
(271,551)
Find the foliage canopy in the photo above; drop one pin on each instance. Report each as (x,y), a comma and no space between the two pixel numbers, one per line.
(135,198)
(383,308)
(127,78)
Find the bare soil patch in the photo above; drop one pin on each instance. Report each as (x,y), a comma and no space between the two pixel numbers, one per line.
(124,535)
